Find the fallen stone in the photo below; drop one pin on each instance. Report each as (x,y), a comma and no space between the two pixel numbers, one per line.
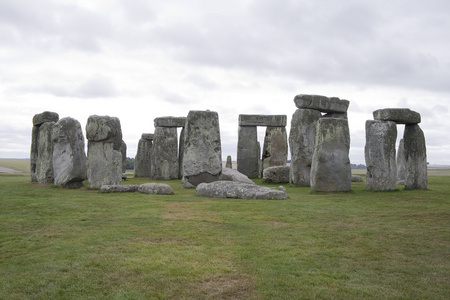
(119,188)
(380,155)
(169,122)
(357,178)
(263,120)
(238,190)
(397,115)
(229,174)
(321,103)
(69,158)
(155,188)
(278,174)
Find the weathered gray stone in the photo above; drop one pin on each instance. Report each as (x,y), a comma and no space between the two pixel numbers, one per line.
(301,143)
(142,161)
(123,151)
(380,155)
(321,103)
(180,154)
(202,159)
(104,165)
(401,163)
(46,116)
(229,174)
(275,147)
(279,174)
(248,152)
(155,188)
(165,154)
(119,188)
(330,169)
(357,178)
(169,122)
(104,129)
(263,120)
(415,157)
(229,163)
(69,158)
(238,190)
(336,115)
(397,115)
(44,161)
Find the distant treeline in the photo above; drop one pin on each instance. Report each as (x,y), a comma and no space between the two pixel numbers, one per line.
(355,166)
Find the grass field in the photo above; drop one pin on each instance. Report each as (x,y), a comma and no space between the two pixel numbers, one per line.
(79,244)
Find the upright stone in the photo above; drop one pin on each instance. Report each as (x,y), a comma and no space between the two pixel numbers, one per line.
(415,157)
(37,121)
(380,155)
(330,169)
(181,153)
(401,164)
(142,161)
(202,160)
(104,157)
(69,158)
(44,163)
(301,143)
(229,164)
(275,147)
(165,154)
(123,151)
(248,152)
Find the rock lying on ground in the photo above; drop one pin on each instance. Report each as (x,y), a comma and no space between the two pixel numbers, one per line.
(277,174)
(234,175)
(238,190)
(357,178)
(146,188)
(119,188)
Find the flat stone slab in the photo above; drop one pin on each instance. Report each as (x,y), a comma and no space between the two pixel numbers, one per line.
(322,103)
(397,115)
(119,188)
(238,190)
(155,188)
(263,120)
(170,122)
(147,136)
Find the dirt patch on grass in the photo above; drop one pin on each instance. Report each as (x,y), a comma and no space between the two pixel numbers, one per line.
(9,171)
(237,286)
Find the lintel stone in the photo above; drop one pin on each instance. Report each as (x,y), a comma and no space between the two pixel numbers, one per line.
(147,136)
(170,122)
(46,116)
(397,115)
(263,120)
(321,103)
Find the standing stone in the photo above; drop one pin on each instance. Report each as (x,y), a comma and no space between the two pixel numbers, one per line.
(330,169)
(275,147)
(401,164)
(165,154)
(248,152)
(229,164)
(380,155)
(44,163)
(104,158)
(38,120)
(301,143)
(69,158)
(123,151)
(415,157)
(202,160)
(180,154)
(142,161)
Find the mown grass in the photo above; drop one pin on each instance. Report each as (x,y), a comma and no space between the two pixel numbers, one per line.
(20,165)
(79,244)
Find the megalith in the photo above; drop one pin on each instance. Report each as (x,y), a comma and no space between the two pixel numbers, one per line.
(123,151)
(165,154)
(229,163)
(202,158)
(104,157)
(44,165)
(275,148)
(380,155)
(322,103)
(248,151)
(35,164)
(142,161)
(415,157)
(301,143)
(69,158)
(330,168)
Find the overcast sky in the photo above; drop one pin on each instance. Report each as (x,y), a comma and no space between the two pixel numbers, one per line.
(138,60)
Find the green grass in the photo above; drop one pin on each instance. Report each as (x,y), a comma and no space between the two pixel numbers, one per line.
(21,165)
(79,244)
